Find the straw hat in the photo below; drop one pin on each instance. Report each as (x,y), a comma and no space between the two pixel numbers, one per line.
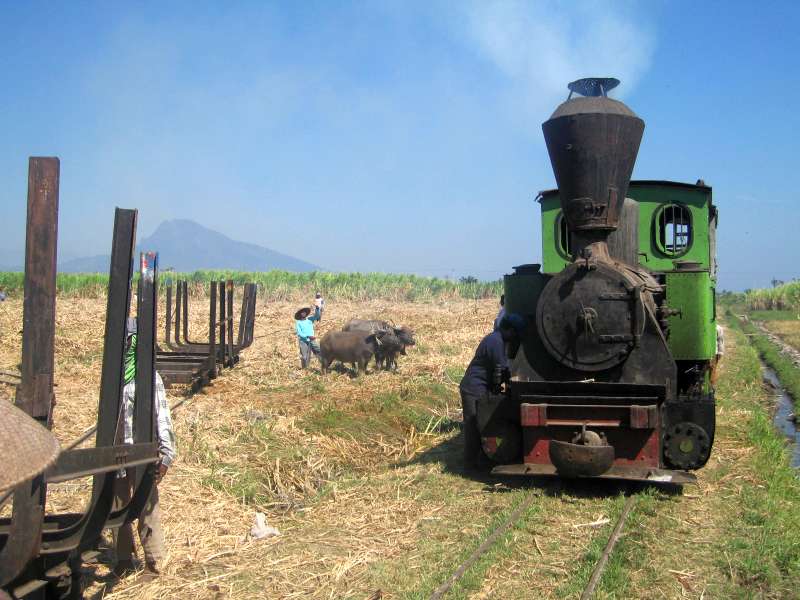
(27,448)
(302,314)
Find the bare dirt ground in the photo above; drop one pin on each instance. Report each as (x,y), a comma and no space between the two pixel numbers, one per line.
(362,477)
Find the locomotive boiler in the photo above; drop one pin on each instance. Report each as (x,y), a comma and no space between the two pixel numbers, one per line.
(611,377)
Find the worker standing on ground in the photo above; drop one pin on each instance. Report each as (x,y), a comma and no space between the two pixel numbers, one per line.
(501,313)
(720,350)
(319,303)
(478,380)
(306,340)
(151,535)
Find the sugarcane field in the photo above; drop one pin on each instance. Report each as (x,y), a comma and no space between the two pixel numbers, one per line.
(487,300)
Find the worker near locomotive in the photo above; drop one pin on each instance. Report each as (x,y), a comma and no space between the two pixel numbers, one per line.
(485,374)
(611,376)
(148,525)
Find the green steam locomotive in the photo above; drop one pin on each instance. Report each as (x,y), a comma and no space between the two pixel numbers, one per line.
(613,374)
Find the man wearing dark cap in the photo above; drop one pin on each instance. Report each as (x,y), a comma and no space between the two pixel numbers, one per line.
(477,382)
(306,340)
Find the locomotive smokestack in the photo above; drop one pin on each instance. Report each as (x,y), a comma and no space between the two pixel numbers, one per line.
(593,142)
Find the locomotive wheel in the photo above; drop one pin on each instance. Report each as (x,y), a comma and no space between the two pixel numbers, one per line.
(504,444)
(686,446)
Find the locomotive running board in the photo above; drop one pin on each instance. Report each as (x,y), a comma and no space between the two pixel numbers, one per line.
(615,472)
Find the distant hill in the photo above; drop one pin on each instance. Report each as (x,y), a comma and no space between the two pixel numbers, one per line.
(187,246)
(88,264)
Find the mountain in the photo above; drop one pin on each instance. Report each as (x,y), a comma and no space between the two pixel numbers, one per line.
(187,246)
(88,264)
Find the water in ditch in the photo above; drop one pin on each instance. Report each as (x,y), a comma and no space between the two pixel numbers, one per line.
(784,419)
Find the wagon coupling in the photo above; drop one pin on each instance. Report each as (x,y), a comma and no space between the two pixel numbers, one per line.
(587,455)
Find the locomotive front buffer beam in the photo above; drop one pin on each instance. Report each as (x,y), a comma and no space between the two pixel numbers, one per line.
(577,430)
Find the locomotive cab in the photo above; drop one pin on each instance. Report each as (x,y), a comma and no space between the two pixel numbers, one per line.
(611,377)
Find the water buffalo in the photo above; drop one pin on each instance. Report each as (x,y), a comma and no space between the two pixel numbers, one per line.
(354,347)
(387,351)
(395,343)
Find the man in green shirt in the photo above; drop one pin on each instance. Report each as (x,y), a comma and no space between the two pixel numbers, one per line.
(148,525)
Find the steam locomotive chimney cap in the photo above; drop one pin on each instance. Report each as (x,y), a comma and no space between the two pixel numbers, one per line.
(592,86)
(592,98)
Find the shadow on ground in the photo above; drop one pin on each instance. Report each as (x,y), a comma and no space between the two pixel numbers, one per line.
(449,454)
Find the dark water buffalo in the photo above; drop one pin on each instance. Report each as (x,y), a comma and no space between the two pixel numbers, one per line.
(370,325)
(354,347)
(387,351)
(394,343)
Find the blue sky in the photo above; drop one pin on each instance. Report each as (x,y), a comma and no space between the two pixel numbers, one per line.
(390,136)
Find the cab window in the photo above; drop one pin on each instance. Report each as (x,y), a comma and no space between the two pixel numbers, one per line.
(563,236)
(673,229)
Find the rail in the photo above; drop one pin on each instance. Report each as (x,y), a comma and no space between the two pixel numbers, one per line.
(517,513)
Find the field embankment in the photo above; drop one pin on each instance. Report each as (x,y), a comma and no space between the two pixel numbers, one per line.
(771,320)
(285,285)
(363,478)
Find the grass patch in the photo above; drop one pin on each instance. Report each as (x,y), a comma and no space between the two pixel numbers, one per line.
(234,479)
(455,374)
(500,549)
(422,348)
(615,581)
(788,373)
(419,405)
(328,419)
(774,315)
(257,465)
(763,547)
(444,545)
(242,483)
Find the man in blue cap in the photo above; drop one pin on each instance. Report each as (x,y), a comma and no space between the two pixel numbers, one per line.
(477,382)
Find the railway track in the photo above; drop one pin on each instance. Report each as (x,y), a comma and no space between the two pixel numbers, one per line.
(600,566)
(516,514)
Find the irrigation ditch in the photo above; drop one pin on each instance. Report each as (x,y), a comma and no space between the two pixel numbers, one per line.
(784,419)
(778,360)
